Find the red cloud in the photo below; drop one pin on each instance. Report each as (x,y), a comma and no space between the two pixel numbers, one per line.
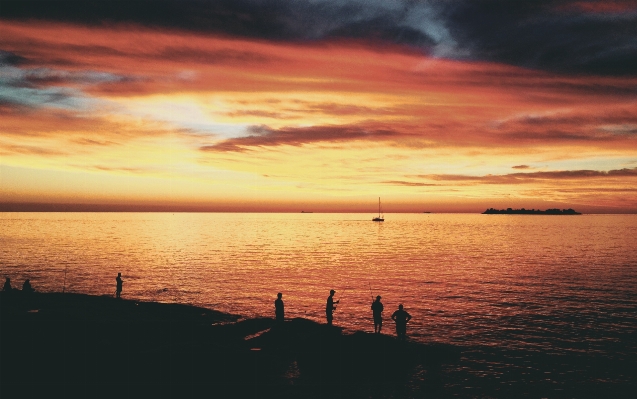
(600,7)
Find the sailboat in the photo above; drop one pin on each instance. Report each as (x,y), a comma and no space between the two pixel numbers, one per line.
(379,218)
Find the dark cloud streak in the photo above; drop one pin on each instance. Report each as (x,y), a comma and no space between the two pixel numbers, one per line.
(523,178)
(409,183)
(262,136)
(8,58)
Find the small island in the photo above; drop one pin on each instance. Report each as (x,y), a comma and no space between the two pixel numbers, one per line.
(510,211)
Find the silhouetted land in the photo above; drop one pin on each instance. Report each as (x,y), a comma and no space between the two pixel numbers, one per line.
(509,211)
(61,345)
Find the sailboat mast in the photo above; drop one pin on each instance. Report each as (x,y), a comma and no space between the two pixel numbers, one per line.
(378,218)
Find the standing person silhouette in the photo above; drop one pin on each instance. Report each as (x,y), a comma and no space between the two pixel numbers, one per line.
(401,317)
(377,310)
(118,291)
(278,308)
(7,285)
(26,287)
(330,308)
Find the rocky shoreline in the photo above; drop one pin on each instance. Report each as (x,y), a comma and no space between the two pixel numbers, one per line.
(74,345)
(65,345)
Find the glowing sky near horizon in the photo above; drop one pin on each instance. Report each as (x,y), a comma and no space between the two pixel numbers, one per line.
(282,106)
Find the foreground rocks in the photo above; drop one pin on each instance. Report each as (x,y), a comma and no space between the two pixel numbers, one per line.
(62,345)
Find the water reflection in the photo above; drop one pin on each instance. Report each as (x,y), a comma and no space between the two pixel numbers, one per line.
(526,282)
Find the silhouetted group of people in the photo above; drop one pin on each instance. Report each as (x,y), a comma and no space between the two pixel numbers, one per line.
(401,317)
(26,287)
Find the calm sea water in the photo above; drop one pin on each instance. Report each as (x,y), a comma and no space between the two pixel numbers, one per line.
(538,284)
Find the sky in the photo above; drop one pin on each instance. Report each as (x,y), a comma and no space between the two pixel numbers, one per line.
(318,105)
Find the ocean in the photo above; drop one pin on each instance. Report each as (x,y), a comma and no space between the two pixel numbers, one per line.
(528,299)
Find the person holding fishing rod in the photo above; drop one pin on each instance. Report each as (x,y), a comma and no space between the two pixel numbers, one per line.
(330,308)
(118,290)
(377,310)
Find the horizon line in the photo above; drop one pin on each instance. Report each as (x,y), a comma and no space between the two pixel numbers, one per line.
(33,207)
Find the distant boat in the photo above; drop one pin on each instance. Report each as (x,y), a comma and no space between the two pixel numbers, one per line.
(379,218)
(510,211)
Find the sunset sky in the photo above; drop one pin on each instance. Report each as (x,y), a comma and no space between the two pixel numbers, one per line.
(318,105)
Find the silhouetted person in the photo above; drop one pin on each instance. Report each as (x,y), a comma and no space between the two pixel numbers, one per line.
(377,310)
(278,308)
(401,318)
(330,308)
(26,287)
(7,285)
(118,291)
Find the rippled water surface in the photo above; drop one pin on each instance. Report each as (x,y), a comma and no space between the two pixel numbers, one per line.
(547,284)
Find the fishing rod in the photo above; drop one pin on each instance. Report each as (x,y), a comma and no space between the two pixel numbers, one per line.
(339,299)
(64,285)
(370,291)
